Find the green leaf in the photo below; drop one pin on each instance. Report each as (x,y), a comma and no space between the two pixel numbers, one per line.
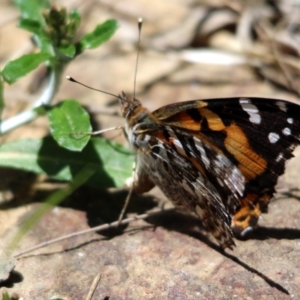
(32,9)
(41,38)
(66,119)
(30,25)
(100,35)
(68,51)
(20,67)
(113,161)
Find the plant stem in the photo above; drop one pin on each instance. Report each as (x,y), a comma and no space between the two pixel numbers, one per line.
(44,99)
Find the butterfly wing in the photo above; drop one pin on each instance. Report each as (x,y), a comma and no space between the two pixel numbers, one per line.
(257,135)
(187,170)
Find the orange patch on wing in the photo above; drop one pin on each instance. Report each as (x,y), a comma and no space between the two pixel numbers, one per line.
(252,206)
(214,121)
(250,163)
(185,121)
(159,134)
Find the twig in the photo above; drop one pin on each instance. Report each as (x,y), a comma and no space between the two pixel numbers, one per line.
(93,287)
(97,228)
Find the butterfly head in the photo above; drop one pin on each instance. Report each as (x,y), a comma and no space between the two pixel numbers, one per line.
(128,105)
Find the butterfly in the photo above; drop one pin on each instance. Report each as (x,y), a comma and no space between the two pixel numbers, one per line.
(219,159)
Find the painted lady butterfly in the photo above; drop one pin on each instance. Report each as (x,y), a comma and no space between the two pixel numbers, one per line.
(219,159)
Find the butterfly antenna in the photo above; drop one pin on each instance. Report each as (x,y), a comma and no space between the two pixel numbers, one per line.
(140,23)
(89,87)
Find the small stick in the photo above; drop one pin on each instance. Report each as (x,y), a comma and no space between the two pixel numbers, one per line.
(93,287)
(97,228)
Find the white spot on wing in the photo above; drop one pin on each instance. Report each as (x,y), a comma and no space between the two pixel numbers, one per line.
(279,157)
(179,147)
(286,131)
(176,142)
(219,161)
(290,120)
(221,183)
(251,110)
(281,105)
(200,148)
(273,137)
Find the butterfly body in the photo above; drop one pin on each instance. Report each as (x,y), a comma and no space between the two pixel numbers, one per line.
(219,159)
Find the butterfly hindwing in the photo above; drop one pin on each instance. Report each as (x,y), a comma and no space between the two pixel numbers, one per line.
(188,187)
